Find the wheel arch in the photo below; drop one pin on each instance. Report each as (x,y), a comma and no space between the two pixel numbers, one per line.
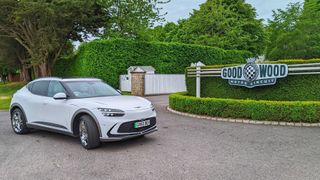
(76,120)
(15,106)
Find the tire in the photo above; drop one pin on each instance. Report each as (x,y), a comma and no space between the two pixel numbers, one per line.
(88,133)
(19,122)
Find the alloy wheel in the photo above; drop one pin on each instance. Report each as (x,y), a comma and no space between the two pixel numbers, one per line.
(17,122)
(83,133)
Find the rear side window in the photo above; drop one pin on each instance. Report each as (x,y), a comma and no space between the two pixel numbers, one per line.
(29,86)
(40,88)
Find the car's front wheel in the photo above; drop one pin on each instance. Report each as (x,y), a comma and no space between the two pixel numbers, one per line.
(18,122)
(88,133)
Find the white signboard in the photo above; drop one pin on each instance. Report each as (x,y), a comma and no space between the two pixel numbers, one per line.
(252,75)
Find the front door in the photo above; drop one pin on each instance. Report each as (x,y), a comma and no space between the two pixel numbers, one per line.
(58,115)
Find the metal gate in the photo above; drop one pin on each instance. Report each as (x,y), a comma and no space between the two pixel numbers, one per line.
(164,83)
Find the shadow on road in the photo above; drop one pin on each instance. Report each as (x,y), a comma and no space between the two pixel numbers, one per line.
(40,135)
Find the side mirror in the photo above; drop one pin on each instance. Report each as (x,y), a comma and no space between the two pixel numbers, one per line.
(60,96)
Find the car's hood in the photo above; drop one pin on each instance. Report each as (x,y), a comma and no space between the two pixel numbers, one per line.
(125,103)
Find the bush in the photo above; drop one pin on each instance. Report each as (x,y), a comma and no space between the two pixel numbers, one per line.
(106,59)
(291,88)
(289,111)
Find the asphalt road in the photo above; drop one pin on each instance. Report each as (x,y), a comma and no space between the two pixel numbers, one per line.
(183,148)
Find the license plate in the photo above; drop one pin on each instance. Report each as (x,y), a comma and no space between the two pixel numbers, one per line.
(141,124)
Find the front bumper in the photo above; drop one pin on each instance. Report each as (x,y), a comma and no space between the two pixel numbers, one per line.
(119,137)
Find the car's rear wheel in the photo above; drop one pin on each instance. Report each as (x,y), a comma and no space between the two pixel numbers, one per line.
(18,122)
(88,133)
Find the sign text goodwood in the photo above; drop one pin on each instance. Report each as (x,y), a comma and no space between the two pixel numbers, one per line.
(252,75)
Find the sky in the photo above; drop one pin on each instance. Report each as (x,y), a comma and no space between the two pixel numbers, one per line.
(179,9)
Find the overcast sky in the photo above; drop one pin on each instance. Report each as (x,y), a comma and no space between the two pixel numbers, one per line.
(178,9)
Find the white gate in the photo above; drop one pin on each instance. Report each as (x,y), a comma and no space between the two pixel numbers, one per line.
(164,83)
(125,83)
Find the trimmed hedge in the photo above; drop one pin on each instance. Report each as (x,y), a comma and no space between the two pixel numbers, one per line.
(289,111)
(291,88)
(106,59)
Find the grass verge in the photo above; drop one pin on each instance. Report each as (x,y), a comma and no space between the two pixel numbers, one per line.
(6,92)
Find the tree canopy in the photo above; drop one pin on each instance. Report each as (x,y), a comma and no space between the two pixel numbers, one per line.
(294,33)
(9,61)
(130,19)
(228,24)
(44,28)
(308,28)
(282,30)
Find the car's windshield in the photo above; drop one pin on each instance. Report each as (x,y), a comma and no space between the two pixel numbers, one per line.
(86,89)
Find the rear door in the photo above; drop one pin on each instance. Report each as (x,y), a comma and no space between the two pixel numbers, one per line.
(34,105)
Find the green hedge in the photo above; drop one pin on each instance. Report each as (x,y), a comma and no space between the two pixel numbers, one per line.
(289,111)
(108,59)
(299,88)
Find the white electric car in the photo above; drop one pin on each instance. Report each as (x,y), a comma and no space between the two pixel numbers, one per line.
(82,107)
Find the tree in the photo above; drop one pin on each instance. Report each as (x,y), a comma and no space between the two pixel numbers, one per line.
(285,41)
(164,33)
(44,28)
(228,24)
(130,19)
(11,56)
(309,30)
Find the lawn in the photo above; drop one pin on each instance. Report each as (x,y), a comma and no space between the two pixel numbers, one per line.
(6,92)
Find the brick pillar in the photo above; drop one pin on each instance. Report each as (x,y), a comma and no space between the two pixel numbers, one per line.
(137,83)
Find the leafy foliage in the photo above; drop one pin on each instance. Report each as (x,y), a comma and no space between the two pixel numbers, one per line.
(130,19)
(43,28)
(284,39)
(308,27)
(9,61)
(166,33)
(227,24)
(108,59)
(291,88)
(294,32)
(289,111)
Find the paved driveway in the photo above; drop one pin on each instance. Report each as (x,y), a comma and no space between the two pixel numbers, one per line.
(183,148)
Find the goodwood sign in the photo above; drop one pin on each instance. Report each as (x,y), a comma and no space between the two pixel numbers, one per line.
(252,75)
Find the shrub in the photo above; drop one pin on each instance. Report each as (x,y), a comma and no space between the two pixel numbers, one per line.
(291,88)
(108,59)
(289,111)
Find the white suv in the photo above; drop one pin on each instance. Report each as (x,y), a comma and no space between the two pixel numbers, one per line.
(85,108)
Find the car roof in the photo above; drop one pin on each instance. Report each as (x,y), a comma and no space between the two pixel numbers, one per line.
(65,79)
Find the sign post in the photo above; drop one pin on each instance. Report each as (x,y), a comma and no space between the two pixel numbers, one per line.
(198,80)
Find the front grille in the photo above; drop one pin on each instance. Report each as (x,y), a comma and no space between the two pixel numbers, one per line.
(128,127)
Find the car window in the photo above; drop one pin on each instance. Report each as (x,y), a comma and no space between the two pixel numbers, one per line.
(54,88)
(29,86)
(40,88)
(86,89)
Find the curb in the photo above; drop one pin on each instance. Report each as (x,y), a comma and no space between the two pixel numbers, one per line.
(245,121)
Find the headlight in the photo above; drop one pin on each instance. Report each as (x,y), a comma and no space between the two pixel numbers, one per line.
(111,112)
